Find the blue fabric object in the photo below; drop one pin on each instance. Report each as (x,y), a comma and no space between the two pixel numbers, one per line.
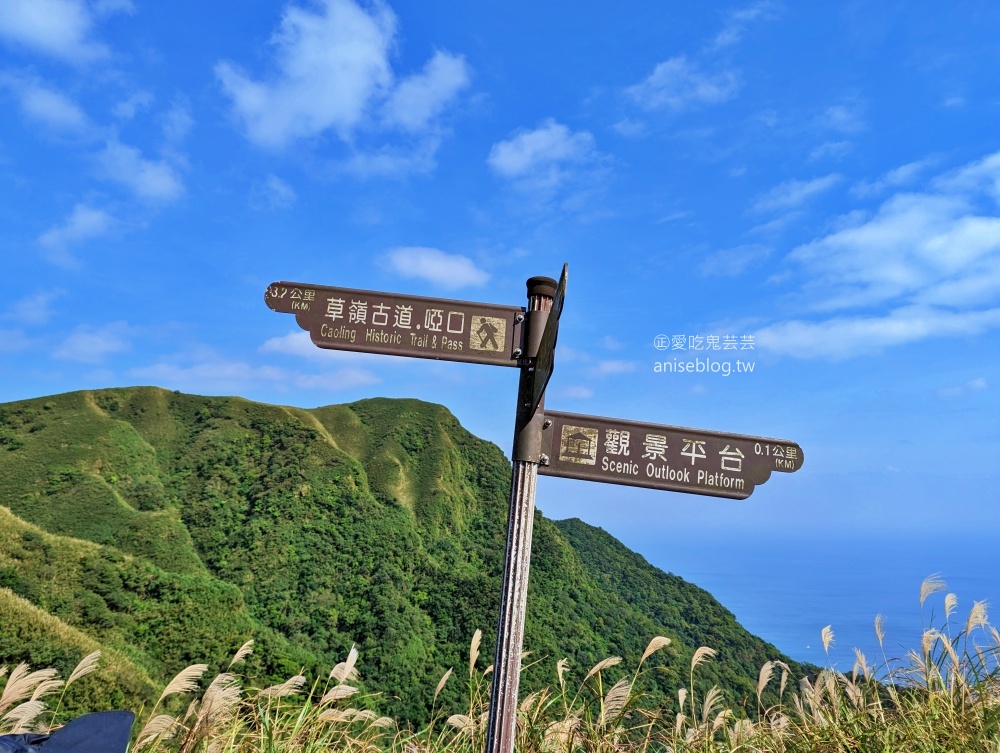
(103,732)
(21,743)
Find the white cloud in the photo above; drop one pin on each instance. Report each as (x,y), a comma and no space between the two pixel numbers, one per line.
(831,149)
(13,341)
(391,160)
(608,368)
(847,118)
(543,158)
(87,344)
(930,248)
(59,28)
(447,270)
(925,264)
(982,176)
(148,179)
(272,193)
(677,84)
(299,344)
(109,7)
(33,309)
(214,375)
(177,123)
(550,143)
(973,385)
(631,129)
(332,74)
(331,65)
(793,193)
(612,343)
(903,175)
(732,262)
(129,107)
(420,98)
(44,104)
(738,20)
(84,223)
(577,393)
(843,337)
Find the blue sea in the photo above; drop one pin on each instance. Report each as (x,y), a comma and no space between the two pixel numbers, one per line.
(787,591)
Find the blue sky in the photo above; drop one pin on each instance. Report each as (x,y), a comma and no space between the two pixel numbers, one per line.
(820,179)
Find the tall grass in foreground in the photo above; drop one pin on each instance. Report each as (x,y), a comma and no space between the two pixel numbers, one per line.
(944,696)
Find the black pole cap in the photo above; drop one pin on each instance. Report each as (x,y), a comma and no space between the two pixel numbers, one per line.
(544,286)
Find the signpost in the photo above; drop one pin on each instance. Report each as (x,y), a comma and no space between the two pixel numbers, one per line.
(591,448)
(670,458)
(402,325)
(546,349)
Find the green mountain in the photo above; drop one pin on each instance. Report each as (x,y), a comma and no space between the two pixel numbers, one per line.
(167,529)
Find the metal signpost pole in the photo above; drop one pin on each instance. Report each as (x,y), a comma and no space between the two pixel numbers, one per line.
(502,724)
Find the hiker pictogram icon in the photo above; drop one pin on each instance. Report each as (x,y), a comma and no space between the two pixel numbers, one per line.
(489,333)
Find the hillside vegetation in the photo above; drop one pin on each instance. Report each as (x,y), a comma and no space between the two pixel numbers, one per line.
(167,529)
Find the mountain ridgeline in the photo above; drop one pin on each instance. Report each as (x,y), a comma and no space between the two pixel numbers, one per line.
(167,529)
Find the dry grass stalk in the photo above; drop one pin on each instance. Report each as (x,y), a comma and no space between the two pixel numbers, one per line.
(740,733)
(163,726)
(21,717)
(615,700)
(927,642)
(46,687)
(527,703)
(87,665)
(441,683)
(474,650)
(240,656)
(853,692)
(785,672)
(712,699)
(561,666)
(977,617)
(654,645)
(217,709)
(22,683)
(860,664)
(345,670)
(611,661)
(766,672)
(336,715)
(950,604)
(560,735)
(186,681)
(337,693)
(721,718)
(462,723)
(291,686)
(702,654)
(932,584)
(880,628)
(826,635)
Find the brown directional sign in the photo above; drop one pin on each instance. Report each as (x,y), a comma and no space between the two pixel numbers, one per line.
(662,457)
(402,325)
(547,347)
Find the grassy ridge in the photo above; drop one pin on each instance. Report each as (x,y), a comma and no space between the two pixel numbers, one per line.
(164,525)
